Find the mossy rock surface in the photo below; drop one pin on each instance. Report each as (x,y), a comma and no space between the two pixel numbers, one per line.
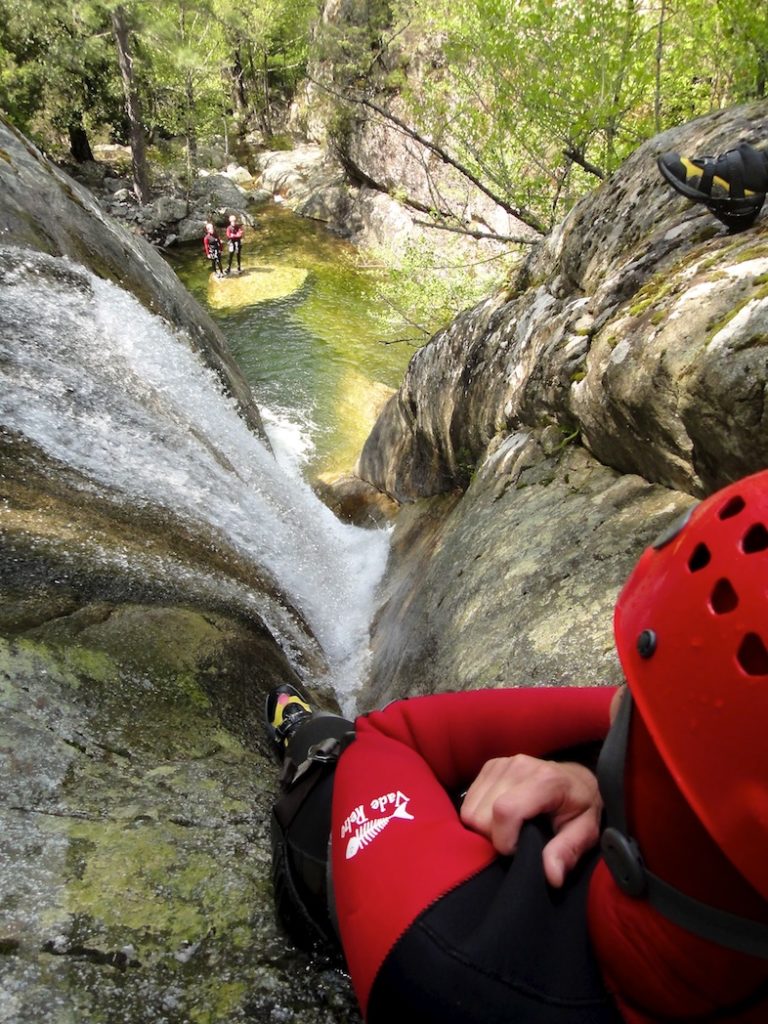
(134,830)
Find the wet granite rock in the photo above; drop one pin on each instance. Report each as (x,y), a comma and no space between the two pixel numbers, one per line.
(137,783)
(134,821)
(545,437)
(513,582)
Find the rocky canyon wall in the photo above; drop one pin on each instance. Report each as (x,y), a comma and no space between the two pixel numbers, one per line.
(543,439)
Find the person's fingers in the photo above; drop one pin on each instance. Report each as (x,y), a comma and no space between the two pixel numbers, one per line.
(496,777)
(508,792)
(571,842)
(513,808)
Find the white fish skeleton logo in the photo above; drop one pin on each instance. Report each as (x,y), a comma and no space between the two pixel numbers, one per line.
(368,830)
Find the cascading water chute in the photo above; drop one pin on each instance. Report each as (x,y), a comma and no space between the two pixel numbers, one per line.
(117,397)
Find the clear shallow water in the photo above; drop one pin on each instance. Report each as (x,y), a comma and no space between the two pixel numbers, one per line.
(314,358)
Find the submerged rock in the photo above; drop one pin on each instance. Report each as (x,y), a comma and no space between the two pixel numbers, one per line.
(255,284)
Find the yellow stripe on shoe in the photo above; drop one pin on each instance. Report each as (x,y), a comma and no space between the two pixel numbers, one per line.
(693,171)
(284,701)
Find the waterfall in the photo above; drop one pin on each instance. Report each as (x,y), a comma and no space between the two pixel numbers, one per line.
(113,392)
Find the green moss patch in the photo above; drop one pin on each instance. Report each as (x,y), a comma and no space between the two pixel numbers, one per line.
(654,291)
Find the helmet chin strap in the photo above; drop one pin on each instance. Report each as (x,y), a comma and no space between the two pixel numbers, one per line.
(625,862)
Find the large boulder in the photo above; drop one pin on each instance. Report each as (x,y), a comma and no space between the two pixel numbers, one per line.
(295,173)
(513,583)
(639,324)
(547,435)
(218,192)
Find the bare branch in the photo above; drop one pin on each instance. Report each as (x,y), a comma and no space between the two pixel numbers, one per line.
(483,235)
(523,215)
(405,318)
(581,160)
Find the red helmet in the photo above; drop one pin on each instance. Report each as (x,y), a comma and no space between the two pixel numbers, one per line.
(691,628)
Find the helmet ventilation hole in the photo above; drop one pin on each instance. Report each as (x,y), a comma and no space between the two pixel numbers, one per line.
(752,655)
(732,508)
(700,558)
(755,539)
(724,598)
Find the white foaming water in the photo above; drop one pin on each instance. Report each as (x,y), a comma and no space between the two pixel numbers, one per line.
(99,383)
(291,439)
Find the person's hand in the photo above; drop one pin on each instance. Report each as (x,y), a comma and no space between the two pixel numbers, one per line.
(511,790)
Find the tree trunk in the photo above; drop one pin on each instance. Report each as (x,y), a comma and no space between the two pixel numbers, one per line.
(265,85)
(237,89)
(132,106)
(190,128)
(761,79)
(79,146)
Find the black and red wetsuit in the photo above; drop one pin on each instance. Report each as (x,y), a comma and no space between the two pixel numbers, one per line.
(235,234)
(436,927)
(212,246)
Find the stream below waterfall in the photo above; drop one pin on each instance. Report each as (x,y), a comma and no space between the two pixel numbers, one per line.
(303,324)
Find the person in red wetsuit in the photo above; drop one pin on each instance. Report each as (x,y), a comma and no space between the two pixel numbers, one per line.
(235,232)
(465,878)
(212,247)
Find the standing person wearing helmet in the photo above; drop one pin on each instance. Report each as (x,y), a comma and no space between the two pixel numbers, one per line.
(235,232)
(212,248)
(496,904)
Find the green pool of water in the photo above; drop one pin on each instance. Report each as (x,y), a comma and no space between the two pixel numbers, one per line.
(303,324)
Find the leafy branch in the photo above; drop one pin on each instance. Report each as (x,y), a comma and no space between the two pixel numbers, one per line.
(525,216)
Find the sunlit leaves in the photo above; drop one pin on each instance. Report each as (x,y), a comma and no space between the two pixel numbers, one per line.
(539,96)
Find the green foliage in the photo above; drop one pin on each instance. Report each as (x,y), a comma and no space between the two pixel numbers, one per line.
(195,62)
(56,68)
(423,290)
(268,44)
(180,48)
(539,99)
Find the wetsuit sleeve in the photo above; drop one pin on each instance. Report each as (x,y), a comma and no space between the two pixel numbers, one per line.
(456,733)
(397,842)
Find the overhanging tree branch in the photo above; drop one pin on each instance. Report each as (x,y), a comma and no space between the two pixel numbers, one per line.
(578,158)
(522,215)
(356,173)
(489,236)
